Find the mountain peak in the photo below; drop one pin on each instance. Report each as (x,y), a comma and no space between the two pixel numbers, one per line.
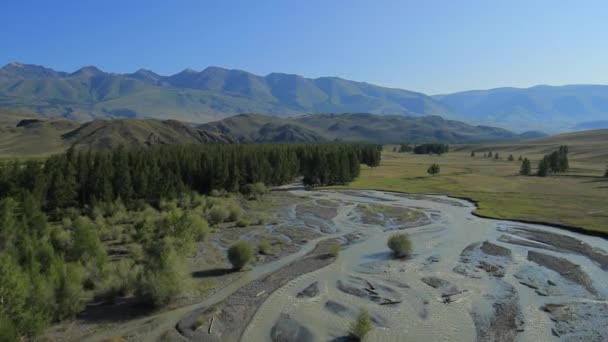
(87,71)
(17,70)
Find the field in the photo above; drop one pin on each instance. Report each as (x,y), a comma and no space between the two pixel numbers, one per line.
(578,198)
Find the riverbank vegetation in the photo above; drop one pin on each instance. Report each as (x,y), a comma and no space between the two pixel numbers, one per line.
(98,226)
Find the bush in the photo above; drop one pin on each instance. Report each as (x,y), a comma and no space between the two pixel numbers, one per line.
(240,254)
(255,190)
(334,249)
(264,247)
(361,326)
(400,244)
(242,223)
(235,213)
(433,170)
(162,277)
(218,214)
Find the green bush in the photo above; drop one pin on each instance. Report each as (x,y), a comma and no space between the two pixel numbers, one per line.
(218,214)
(69,293)
(264,247)
(242,223)
(240,254)
(361,326)
(235,213)
(334,249)
(161,279)
(400,244)
(255,190)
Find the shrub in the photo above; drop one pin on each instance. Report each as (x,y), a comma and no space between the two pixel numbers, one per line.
(361,326)
(264,247)
(240,254)
(255,190)
(334,249)
(162,277)
(433,170)
(69,292)
(218,214)
(235,212)
(400,244)
(241,223)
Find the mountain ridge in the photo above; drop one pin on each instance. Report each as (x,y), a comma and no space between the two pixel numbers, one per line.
(214,93)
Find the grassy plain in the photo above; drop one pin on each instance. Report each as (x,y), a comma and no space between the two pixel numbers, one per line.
(578,198)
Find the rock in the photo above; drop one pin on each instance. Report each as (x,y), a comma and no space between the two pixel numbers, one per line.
(309,292)
(288,330)
(336,308)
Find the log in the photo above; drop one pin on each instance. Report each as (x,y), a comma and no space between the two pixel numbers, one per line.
(211,325)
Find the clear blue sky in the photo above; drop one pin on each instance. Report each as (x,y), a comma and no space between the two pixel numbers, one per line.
(428,46)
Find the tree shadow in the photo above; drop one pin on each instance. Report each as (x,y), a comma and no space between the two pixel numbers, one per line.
(120,310)
(214,272)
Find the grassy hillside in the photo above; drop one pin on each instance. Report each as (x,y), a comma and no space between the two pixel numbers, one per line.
(356,127)
(577,198)
(41,137)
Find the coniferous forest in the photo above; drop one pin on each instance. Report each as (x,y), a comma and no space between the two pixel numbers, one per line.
(56,214)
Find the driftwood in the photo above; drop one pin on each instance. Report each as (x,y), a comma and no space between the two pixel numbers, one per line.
(391,302)
(448,295)
(261,293)
(210,325)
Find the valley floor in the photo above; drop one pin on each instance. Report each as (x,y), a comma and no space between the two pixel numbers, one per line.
(578,198)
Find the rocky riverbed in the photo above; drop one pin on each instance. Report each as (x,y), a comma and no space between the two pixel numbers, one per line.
(468,279)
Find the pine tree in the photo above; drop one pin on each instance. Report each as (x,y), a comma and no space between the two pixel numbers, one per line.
(520,158)
(472,153)
(496,156)
(511,158)
(490,154)
(526,168)
(543,168)
(433,170)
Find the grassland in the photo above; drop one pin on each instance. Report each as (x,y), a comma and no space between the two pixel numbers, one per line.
(578,198)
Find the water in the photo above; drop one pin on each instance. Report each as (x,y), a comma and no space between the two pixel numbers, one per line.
(437,247)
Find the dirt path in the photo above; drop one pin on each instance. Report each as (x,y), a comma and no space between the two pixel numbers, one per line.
(227,321)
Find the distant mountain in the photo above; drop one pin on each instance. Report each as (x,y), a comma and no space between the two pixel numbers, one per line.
(216,93)
(357,127)
(194,96)
(543,108)
(599,124)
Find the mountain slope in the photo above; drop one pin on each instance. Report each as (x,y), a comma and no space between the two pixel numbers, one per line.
(195,96)
(358,127)
(541,107)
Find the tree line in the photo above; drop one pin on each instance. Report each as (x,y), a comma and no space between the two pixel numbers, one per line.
(76,179)
(431,148)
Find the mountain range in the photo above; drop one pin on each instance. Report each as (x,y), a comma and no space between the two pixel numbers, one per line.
(216,93)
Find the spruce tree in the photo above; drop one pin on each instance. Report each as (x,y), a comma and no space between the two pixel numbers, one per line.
(472,153)
(543,168)
(526,168)
(511,158)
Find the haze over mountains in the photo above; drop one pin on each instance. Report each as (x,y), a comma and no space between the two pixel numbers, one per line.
(216,93)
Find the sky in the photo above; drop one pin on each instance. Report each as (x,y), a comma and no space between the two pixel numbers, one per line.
(429,46)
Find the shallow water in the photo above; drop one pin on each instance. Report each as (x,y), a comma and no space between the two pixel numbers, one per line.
(423,313)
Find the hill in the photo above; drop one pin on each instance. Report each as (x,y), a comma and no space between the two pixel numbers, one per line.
(39,137)
(193,96)
(544,108)
(357,127)
(108,134)
(585,146)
